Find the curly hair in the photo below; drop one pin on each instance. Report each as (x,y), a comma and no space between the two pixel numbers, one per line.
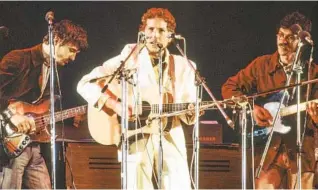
(158,13)
(68,32)
(295,18)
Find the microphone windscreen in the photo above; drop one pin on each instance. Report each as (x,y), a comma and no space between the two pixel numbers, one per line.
(159,45)
(305,37)
(295,28)
(49,16)
(4,31)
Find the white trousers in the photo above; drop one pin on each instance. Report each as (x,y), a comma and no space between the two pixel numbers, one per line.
(142,164)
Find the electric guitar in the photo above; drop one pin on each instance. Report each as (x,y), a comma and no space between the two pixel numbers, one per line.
(14,142)
(279,127)
(105,129)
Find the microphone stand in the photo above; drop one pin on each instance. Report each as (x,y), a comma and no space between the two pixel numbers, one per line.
(243,148)
(160,152)
(52,104)
(124,132)
(266,93)
(243,102)
(196,138)
(200,81)
(297,68)
(125,116)
(280,89)
(243,122)
(119,69)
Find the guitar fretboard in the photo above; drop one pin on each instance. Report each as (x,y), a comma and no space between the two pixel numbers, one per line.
(293,109)
(167,108)
(65,114)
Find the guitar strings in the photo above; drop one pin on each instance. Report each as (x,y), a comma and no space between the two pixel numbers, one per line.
(42,121)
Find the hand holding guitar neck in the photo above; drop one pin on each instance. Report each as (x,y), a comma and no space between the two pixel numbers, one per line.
(312,108)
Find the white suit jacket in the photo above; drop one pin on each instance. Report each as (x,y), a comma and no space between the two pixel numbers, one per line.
(184,86)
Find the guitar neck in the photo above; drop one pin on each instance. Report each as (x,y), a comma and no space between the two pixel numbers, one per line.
(65,114)
(167,108)
(293,109)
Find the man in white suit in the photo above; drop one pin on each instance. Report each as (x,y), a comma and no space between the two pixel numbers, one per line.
(178,87)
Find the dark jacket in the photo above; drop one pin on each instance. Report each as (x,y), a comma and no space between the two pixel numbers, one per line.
(19,75)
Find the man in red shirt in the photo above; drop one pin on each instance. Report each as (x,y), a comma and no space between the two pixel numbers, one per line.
(270,72)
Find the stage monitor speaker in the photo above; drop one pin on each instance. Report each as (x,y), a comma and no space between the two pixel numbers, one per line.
(219,166)
(92,166)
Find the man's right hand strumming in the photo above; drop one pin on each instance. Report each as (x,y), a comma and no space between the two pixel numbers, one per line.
(116,106)
(262,116)
(22,123)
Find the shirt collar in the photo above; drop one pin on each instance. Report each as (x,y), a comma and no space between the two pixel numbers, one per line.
(274,64)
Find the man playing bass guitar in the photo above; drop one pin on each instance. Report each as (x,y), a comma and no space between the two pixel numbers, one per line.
(24,77)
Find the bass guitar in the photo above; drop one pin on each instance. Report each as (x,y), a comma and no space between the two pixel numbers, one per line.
(14,142)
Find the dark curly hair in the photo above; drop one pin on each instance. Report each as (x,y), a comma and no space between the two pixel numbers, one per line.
(158,13)
(68,32)
(295,18)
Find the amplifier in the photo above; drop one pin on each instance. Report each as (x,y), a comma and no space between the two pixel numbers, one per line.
(94,166)
(219,166)
(210,132)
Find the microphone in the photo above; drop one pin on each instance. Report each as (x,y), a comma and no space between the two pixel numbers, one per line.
(175,36)
(93,80)
(126,71)
(141,33)
(159,45)
(4,31)
(49,17)
(305,37)
(141,37)
(295,28)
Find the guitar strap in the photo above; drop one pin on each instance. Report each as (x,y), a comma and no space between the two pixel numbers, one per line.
(171,73)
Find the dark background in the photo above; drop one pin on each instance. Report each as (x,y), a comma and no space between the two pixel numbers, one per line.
(222,37)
